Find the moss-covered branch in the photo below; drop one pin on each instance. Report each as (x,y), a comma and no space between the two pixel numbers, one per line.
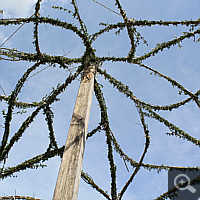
(88,179)
(105,126)
(31,163)
(11,101)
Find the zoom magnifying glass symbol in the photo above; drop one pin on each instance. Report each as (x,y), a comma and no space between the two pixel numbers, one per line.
(179,179)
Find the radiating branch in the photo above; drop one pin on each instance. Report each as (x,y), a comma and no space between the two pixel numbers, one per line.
(147,143)
(49,119)
(105,126)
(88,179)
(129,94)
(175,131)
(76,15)
(35,32)
(142,23)
(174,83)
(11,101)
(31,163)
(131,31)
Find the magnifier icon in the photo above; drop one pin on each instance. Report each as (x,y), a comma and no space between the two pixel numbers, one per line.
(181,181)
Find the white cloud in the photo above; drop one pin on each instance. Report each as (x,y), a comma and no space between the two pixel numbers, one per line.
(19,8)
(23,8)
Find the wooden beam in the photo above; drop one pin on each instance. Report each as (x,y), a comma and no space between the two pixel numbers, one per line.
(70,169)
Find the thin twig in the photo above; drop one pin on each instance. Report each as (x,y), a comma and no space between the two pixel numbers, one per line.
(123,156)
(107,7)
(15,32)
(3,90)
(39,72)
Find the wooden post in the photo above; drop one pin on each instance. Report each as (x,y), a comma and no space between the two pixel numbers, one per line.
(70,169)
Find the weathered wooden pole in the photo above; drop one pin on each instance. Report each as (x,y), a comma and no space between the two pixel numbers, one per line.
(70,169)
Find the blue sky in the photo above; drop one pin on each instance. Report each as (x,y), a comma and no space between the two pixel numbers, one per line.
(179,64)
